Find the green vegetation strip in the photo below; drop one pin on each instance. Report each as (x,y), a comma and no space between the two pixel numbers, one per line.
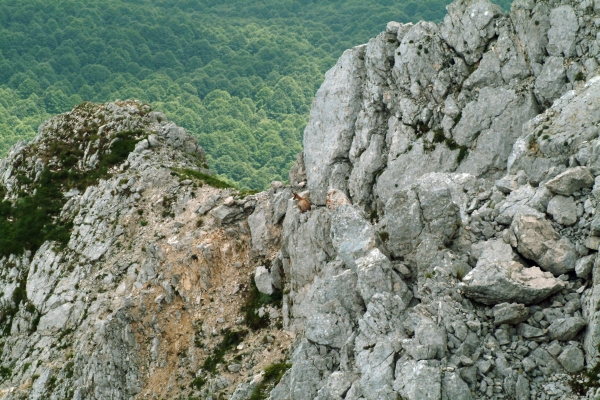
(230,340)
(33,219)
(255,300)
(272,376)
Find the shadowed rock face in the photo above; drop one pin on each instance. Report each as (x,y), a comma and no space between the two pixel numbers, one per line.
(452,239)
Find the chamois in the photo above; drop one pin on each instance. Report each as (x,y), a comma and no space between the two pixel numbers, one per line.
(303,204)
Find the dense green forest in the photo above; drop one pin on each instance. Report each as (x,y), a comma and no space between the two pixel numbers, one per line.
(238,74)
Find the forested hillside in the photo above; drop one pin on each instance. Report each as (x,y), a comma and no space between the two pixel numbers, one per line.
(240,74)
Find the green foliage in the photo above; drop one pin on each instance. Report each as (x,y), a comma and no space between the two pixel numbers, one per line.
(203,178)
(230,340)
(272,376)
(5,373)
(384,236)
(255,300)
(240,75)
(32,219)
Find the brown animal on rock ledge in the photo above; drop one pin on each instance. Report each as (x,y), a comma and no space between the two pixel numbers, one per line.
(303,204)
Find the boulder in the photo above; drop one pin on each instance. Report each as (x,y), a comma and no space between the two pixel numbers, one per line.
(498,278)
(264,280)
(224,214)
(570,181)
(595,226)
(352,235)
(563,210)
(454,388)
(538,241)
(550,83)
(566,328)
(509,281)
(584,266)
(510,313)
(572,359)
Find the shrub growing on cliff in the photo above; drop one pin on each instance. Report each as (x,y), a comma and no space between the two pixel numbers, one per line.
(33,218)
(254,301)
(272,376)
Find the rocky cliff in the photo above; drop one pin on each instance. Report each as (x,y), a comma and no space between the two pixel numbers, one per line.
(450,251)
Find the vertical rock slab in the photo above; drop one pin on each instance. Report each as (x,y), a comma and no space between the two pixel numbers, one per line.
(330,130)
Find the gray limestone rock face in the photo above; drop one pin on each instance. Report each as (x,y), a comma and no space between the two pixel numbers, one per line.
(494,122)
(563,31)
(563,210)
(297,175)
(330,307)
(428,333)
(468,26)
(532,21)
(226,215)
(419,380)
(550,83)
(265,221)
(572,120)
(351,234)
(538,241)
(328,135)
(373,272)
(510,313)
(571,180)
(336,386)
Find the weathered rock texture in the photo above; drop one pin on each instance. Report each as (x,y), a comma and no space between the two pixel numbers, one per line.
(450,251)
(152,276)
(460,263)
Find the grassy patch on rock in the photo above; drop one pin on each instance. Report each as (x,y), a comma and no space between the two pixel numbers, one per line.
(25,224)
(272,376)
(254,301)
(230,340)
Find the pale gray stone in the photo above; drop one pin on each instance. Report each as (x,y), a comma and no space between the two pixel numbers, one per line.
(453,387)
(328,135)
(563,210)
(263,280)
(538,241)
(497,278)
(571,180)
(351,234)
(572,359)
(373,272)
(584,266)
(510,313)
(566,328)
(419,380)
(563,31)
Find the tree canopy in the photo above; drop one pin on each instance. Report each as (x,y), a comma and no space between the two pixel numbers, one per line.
(240,74)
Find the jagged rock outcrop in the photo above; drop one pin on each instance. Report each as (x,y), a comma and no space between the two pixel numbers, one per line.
(456,266)
(450,251)
(145,274)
